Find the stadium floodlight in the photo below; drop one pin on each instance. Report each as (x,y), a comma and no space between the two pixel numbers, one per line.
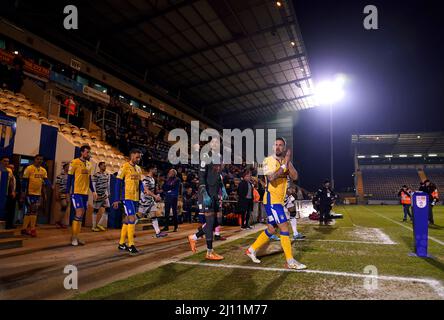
(361,157)
(417,155)
(374,156)
(433,155)
(403,156)
(327,93)
(388,156)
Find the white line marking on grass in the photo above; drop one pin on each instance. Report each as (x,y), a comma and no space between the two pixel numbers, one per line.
(434,284)
(353,241)
(404,226)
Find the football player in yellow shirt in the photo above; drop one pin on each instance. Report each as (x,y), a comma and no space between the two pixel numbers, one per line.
(79,179)
(276,169)
(129,178)
(34,177)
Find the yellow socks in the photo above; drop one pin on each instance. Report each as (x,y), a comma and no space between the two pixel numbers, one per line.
(263,238)
(26,221)
(123,234)
(33,219)
(131,230)
(286,245)
(76,225)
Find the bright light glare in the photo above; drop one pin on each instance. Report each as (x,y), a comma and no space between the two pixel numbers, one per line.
(328,92)
(433,155)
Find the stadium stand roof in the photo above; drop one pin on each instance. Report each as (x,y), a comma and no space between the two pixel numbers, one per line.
(228,59)
(404,143)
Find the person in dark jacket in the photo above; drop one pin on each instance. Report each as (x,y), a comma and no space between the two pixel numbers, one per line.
(323,201)
(171,193)
(245,201)
(189,201)
(431,190)
(211,192)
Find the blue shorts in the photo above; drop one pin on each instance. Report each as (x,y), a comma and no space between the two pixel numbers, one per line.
(79,201)
(275,214)
(202,219)
(33,203)
(130,207)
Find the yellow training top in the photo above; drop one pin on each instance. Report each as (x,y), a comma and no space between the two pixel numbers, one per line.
(275,190)
(36,177)
(131,176)
(81,170)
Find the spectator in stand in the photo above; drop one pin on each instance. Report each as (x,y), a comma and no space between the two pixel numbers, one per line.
(70,107)
(171,193)
(245,201)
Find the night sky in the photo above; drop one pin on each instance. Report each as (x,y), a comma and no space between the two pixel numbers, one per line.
(396,78)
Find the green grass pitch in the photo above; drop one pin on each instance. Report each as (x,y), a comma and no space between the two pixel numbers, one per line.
(347,247)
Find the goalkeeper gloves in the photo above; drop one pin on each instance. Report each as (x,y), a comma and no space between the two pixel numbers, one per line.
(205,197)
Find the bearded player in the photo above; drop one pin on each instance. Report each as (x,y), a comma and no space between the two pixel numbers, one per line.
(276,169)
(129,178)
(211,190)
(79,179)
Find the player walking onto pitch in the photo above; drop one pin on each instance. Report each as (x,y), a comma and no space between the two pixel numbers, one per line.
(211,189)
(276,169)
(79,179)
(61,181)
(33,179)
(148,201)
(101,181)
(130,178)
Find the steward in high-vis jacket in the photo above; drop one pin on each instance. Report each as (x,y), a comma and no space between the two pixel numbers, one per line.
(405,195)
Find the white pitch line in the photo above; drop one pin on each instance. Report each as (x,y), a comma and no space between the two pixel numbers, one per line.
(434,284)
(353,241)
(404,226)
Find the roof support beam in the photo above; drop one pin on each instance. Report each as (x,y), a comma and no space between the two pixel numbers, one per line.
(255,91)
(246,110)
(255,67)
(217,45)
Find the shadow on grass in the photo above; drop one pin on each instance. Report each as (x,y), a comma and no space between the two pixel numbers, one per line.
(269,291)
(168,275)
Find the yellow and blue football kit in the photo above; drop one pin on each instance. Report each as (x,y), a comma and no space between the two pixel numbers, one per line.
(129,178)
(273,200)
(275,191)
(32,182)
(79,181)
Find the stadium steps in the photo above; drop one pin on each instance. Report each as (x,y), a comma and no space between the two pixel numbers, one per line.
(8,240)
(144,224)
(422,175)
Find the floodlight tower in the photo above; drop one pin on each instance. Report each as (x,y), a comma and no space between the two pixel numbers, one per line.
(327,93)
